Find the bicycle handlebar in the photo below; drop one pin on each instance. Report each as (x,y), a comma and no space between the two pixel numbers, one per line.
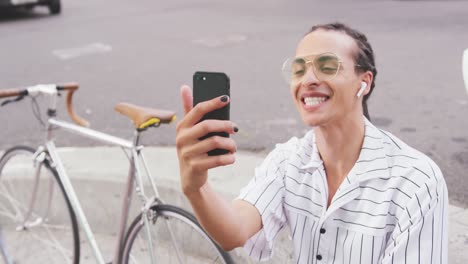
(12,92)
(69,87)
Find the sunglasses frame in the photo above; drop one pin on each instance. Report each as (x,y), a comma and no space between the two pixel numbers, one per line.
(308,62)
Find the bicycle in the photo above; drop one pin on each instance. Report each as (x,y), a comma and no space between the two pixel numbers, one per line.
(41,206)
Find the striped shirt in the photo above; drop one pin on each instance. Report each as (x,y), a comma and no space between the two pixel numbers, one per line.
(391,208)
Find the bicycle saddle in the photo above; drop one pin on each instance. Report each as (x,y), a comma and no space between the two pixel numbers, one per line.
(144,117)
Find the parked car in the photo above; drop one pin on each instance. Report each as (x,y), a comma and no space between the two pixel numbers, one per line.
(53,5)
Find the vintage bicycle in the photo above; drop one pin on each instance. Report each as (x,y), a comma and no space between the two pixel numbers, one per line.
(40,210)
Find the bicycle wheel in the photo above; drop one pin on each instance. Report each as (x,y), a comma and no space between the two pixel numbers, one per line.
(37,222)
(190,244)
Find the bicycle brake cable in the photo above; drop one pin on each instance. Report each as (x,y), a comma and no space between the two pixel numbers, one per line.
(37,111)
(19,98)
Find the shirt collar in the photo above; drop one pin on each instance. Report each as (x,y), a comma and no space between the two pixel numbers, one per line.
(372,155)
(309,146)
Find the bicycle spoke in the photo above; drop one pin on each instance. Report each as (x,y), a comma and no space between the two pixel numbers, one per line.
(11,201)
(55,245)
(4,211)
(178,239)
(38,225)
(58,227)
(133,260)
(18,217)
(173,240)
(48,248)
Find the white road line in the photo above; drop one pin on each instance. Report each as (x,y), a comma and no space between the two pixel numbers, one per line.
(465,68)
(71,53)
(214,42)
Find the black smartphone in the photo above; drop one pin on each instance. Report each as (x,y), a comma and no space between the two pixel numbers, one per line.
(206,86)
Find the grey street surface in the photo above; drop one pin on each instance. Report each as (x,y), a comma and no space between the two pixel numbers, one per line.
(142,51)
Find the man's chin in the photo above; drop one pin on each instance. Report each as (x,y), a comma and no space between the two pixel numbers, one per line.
(312,122)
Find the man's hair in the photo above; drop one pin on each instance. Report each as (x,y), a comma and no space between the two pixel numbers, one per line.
(364,58)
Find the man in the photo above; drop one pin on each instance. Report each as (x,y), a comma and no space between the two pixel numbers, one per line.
(348,191)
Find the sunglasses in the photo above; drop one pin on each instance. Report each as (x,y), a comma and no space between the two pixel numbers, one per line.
(325,67)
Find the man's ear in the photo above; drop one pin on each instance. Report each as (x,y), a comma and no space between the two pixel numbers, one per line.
(367,78)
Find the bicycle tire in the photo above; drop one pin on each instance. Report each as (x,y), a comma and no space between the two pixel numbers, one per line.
(133,253)
(27,243)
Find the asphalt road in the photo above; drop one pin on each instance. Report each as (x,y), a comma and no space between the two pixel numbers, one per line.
(141,52)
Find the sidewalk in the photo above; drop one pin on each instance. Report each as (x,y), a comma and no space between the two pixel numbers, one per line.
(99,172)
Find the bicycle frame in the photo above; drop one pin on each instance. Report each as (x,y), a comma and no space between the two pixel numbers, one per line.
(134,178)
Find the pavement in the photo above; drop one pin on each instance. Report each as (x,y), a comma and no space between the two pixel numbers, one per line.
(99,173)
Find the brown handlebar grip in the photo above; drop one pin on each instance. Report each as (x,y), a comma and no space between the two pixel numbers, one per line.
(10,92)
(68,86)
(78,120)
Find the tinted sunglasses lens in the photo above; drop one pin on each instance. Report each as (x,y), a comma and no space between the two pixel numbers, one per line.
(326,66)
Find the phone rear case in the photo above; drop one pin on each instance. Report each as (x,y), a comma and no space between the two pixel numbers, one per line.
(206,86)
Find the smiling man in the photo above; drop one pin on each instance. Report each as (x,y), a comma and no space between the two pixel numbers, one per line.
(348,191)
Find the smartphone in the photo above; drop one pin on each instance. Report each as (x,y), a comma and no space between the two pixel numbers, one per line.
(206,86)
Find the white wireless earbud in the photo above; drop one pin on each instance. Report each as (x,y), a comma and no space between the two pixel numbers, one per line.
(363,87)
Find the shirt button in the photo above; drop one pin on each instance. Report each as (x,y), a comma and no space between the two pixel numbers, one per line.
(322,230)
(319,257)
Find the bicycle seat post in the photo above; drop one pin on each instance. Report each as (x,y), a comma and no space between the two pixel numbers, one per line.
(136,139)
(135,154)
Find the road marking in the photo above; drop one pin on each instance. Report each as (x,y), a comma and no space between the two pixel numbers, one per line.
(71,53)
(214,42)
(465,68)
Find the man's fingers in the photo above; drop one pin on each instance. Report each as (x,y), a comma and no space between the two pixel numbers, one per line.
(208,126)
(205,107)
(209,162)
(191,135)
(187,98)
(202,147)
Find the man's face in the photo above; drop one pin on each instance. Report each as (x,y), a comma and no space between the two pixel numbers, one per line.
(320,102)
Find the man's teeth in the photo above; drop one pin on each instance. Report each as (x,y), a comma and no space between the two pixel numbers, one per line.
(314,100)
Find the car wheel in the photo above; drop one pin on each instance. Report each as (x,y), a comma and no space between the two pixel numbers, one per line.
(55,7)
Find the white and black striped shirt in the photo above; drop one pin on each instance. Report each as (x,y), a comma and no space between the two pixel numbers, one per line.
(391,208)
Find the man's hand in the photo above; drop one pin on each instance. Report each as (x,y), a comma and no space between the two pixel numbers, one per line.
(229,224)
(194,161)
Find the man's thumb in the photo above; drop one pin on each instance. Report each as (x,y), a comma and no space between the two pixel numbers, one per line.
(187,98)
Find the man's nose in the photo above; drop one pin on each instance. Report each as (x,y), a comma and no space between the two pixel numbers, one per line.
(309,77)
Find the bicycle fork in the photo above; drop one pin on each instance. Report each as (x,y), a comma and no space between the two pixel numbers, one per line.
(38,160)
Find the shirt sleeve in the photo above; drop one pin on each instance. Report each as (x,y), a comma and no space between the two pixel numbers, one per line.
(266,191)
(422,236)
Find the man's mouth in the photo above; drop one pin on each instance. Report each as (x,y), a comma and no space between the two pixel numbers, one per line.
(314,101)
